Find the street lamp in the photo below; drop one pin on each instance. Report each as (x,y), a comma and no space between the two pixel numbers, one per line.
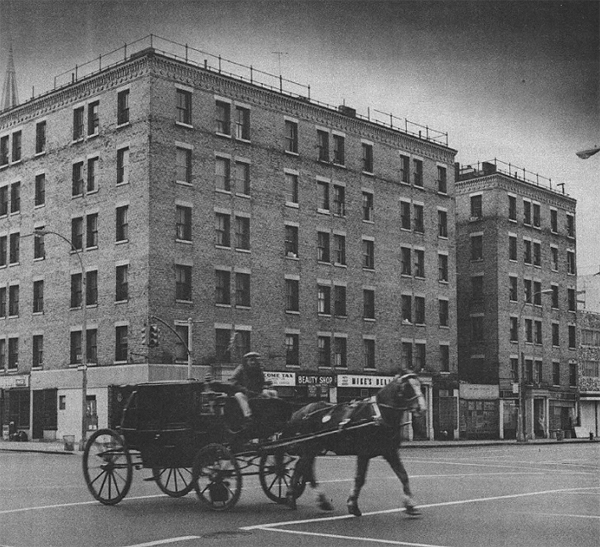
(42,233)
(521,428)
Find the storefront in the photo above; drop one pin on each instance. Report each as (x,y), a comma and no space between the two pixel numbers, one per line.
(479,411)
(15,399)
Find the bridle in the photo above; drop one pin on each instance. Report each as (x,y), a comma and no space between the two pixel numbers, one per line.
(408,406)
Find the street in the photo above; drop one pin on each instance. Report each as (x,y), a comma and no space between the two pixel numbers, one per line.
(527,495)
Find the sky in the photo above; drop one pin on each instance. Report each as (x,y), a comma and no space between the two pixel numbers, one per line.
(514,80)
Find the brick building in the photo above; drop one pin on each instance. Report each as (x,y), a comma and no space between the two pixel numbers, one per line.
(588,327)
(321,239)
(517,310)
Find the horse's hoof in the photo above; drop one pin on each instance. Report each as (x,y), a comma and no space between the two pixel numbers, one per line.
(353,508)
(412,511)
(325,505)
(291,501)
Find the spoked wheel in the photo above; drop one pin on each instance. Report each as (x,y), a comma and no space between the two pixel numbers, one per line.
(218,479)
(107,467)
(275,474)
(174,481)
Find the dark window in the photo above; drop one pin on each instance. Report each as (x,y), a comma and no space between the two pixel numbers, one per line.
(122,223)
(122,165)
(571,297)
(527,253)
(570,262)
(92,172)
(417,172)
(476,207)
(323,196)
(93,119)
(512,208)
(367,158)
(443,312)
(184,223)
(572,374)
(77,179)
(572,337)
(536,215)
(222,230)
(442,223)
(338,149)
(292,295)
(4,151)
(14,248)
(78,123)
(184,107)
(339,200)
(554,220)
(291,241)
(418,218)
(537,254)
(513,293)
(242,289)
(91,288)
(323,145)
(183,165)
(242,233)
(367,206)
(122,283)
(291,188)
(242,123)
(324,299)
(38,296)
(292,349)
(92,230)
(340,352)
(15,197)
(406,306)
(405,169)
(369,353)
(123,107)
(444,358)
(37,351)
(512,247)
(419,263)
(419,310)
(76,351)
(405,217)
(368,304)
(3,249)
(323,248)
(514,329)
(324,351)
(92,345)
(16,146)
(242,178)
(339,249)
(39,250)
(555,334)
(368,254)
(223,174)
(477,247)
(76,290)
(570,224)
(406,357)
(13,300)
(4,200)
(442,180)
(556,374)
(405,260)
(13,353)
(121,343)
(443,267)
(223,118)
(183,282)
(222,287)
(291,136)
(339,300)
(40,137)
(526,212)
(420,356)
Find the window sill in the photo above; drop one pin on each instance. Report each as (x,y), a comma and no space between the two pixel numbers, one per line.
(124,124)
(93,136)
(184,241)
(367,269)
(242,250)
(122,242)
(368,173)
(39,154)
(340,265)
(179,301)
(185,125)
(36,313)
(37,259)
(246,141)
(122,183)
(292,312)
(323,211)
(292,204)
(228,247)
(243,195)
(222,305)
(16,162)
(291,153)
(240,307)
(77,141)
(183,182)
(292,256)
(39,206)
(221,191)
(223,135)
(120,301)
(367,221)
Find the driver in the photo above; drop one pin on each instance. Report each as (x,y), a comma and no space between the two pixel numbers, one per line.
(249,380)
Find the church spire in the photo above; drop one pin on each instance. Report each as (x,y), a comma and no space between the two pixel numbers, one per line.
(10,97)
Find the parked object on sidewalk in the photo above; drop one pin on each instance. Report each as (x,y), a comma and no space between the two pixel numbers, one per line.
(69,442)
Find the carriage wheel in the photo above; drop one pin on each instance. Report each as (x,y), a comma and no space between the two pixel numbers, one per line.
(174,481)
(275,474)
(218,479)
(107,467)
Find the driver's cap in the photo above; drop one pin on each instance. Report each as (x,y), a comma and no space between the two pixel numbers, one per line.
(251,354)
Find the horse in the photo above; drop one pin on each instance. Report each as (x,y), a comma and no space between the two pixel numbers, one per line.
(366,428)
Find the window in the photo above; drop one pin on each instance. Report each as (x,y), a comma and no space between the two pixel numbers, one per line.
(223,344)
(537,293)
(367,206)
(338,150)
(76,290)
(554,258)
(323,145)
(323,251)
(122,223)
(527,288)
(368,304)
(512,247)
(91,288)
(512,208)
(291,136)
(405,218)
(292,350)
(222,287)
(183,165)
(75,347)
(419,310)
(223,118)
(417,172)
(324,299)
(477,328)
(571,298)
(16,146)
(527,254)
(537,371)
(513,293)
(529,331)
(339,249)
(121,343)
(292,295)
(291,188)
(13,300)
(77,179)
(3,249)
(406,357)
(444,358)
(442,223)
(555,334)
(242,233)
(340,352)
(526,212)
(572,374)
(184,107)
(14,248)
(570,224)
(572,337)
(368,248)
(183,226)
(122,284)
(477,247)
(405,261)
(442,180)
(242,123)
(339,200)
(368,353)
(122,165)
(367,157)
(442,267)
(92,230)
(420,356)
(13,353)
(242,178)
(554,221)
(242,289)
(222,228)
(92,170)
(93,119)
(514,329)
(339,300)
(514,369)
(536,215)
(571,262)
(476,207)
(4,150)
(529,371)
(419,263)
(443,308)
(40,137)
(38,296)
(406,306)
(324,351)
(556,374)
(123,107)
(405,169)
(4,200)
(537,253)
(78,123)
(183,282)
(418,218)
(323,196)
(538,332)
(291,241)
(15,197)
(37,356)
(181,353)
(223,174)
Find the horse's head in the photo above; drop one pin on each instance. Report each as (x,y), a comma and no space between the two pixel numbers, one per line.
(404,392)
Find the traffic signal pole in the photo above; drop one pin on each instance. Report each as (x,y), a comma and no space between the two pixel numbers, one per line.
(187,344)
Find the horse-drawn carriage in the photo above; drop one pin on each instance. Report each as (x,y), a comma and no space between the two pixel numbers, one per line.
(188,435)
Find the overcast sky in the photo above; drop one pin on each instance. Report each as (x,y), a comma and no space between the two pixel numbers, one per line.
(518,81)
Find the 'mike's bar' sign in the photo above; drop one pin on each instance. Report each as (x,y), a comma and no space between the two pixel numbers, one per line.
(357,380)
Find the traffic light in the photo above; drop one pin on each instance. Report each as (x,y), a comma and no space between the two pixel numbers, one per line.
(153,336)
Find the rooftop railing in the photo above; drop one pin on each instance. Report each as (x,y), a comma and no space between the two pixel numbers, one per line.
(226,67)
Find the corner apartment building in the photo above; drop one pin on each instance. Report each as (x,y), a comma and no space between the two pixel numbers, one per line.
(172,190)
(588,327)
(517,311)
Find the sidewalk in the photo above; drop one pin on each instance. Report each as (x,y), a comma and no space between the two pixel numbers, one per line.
(59,448)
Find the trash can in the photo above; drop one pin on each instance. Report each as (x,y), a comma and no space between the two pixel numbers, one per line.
(560,435)
(69,442)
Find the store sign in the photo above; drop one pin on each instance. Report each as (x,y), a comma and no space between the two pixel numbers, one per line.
(358,380)
(479,391)
(8,382)
(315,380)
(281,379)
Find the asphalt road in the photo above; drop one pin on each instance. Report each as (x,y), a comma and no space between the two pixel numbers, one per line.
(546,495)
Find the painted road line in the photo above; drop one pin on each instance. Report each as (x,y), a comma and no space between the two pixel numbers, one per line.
(165,541)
